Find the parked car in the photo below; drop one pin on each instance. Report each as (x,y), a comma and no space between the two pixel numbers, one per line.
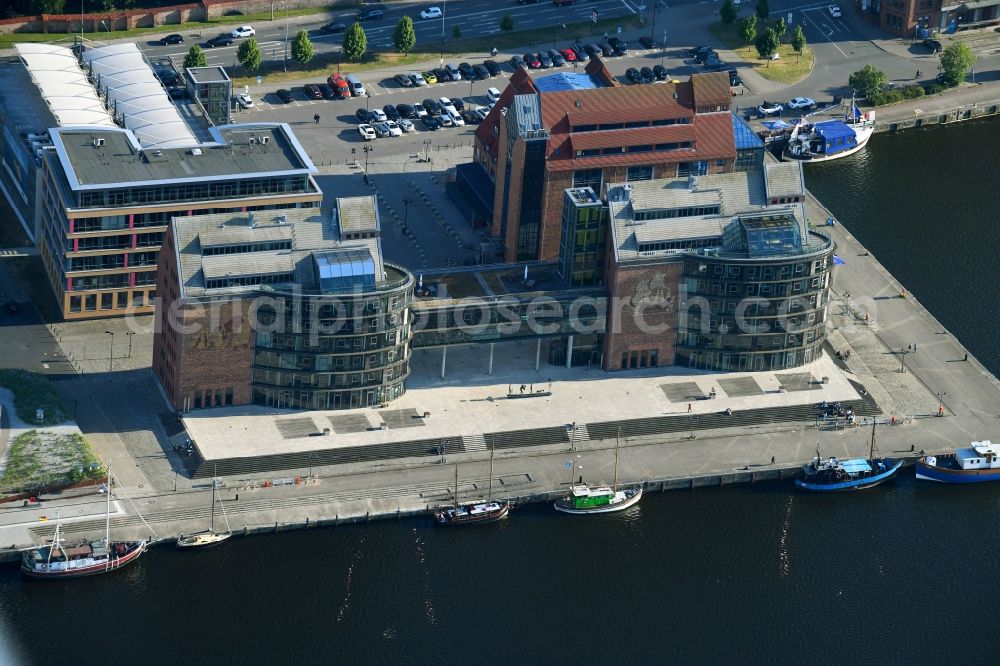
(393,128)
(406,125)
(481,72)
(416,79)
(769,109)
(403,81)
(446,104)
(647,42)
(432,107)
(557,58)
(716,66)
(660,72)
(244,101)
(419,109)
(378,116)
(381,129)
(517,61)
(592,50)
(333,28)
(531,61)
(453,71)
(431,123)
(219,40)
(442,74)
(466,70)
(371,15)
(444,119)
(431,13)
(632,75)
(430,77)
(607,50)
(328,91)
(367,132)
(647,75)
(834,10)
(243,31)
(456,118)
(363,115)
(390,112)
(471,117)
(694,52)
(569,55)
(493,67)
(933,45)
(284,95)
(734,79)
(406,111)
(544,59)
(179,92)
(797,103)
(527,2)
(458,103)
(339,85)
(704,56)
(172,39)
(620,46)
(312,91)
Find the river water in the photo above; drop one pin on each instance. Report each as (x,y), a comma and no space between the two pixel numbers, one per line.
(743,574)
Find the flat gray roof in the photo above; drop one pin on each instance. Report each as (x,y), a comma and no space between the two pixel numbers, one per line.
(357,214)
(239,151)
(207,74)
(23,107)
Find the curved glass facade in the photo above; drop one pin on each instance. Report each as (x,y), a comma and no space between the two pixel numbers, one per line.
(334,351)
(750,314)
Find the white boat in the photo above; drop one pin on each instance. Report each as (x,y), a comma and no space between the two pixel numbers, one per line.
(583,499)
(829,139)
(84,557)
(474,513)
(209,537)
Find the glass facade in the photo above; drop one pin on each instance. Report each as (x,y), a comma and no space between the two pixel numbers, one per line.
(583,238)
(742,313)
(334,351)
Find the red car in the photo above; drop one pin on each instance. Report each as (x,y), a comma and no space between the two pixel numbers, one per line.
(531,60)
(312,91)
(569,54)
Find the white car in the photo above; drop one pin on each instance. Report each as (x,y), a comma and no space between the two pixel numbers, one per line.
(801,103)
(421,111)
(769,109)
(243,31)
(418,79)
(393,128)
(367,132)
(378,115)
(834,11)
(456,117)
(431,13)
(244,101)
(406,125)
(445,120)
(447,106)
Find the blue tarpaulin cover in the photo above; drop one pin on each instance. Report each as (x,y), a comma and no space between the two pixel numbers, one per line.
(776,124)
(856,465)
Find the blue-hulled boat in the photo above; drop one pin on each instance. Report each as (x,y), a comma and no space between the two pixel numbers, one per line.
(835,476)
(830,139)
(978,463)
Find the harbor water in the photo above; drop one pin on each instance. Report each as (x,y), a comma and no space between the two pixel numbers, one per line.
(741,574)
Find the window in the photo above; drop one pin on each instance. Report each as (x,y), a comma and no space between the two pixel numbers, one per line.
(639,173)
(588,177)
(74,303)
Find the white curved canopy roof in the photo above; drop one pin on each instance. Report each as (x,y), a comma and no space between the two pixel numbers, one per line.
(64,87)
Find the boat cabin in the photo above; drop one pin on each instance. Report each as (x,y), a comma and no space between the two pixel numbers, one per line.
(584,496)
(831,137)
(980,455)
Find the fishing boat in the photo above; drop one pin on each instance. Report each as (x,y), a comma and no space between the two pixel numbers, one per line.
(84,557)
(978,463)
(834,476)
(830,139)
(209,537)
(583,499)
(474,513)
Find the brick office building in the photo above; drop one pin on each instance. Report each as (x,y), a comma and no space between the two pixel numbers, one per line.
(567,131)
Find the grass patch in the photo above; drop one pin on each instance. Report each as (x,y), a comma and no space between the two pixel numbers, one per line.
(39,458)
(535,39)
(32,391)
(790,68)
(8,40)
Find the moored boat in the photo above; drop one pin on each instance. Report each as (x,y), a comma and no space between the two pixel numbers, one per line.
(833,475)
(978,463)
(583,499)
(83,557)
(474,513)
(829,139)
(209,537)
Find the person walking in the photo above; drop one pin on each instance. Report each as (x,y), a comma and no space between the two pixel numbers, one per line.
(689,408)
(316,118)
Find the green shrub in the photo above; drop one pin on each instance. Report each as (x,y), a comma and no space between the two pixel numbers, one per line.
(935,88)
(32,391)
(913,91)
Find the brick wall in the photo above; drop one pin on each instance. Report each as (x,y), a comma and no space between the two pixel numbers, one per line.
(642,294)
(217,356)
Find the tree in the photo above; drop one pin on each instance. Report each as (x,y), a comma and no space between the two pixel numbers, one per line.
(798,39)
(456,32)
(780,28)
(404,37)
(507,23)
(728,12)
(249,54)
(107,5)
(48,6)
(956,60)
(195,57)
(748,29)
(766,43)
(302,48)
(867,81)
(762,9)
(355,43)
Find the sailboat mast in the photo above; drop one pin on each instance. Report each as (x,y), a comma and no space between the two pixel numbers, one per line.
(871,452)
(55,541)
(618,437)
(489,492)
(456,484)
(107,523)
(211,525)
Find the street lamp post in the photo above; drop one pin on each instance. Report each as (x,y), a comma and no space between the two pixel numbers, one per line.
(130,333)
(367,149)
(940,397)
(284,54)
(427,150)
(902,359)
(111,355)
(406,212)
(444,10)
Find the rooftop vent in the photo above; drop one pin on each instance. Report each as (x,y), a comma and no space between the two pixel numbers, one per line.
(264,140)
(195,151)
(282,219)
(253,141)
(98,143)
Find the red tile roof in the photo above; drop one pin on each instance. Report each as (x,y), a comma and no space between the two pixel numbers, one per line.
(711,89)
(632,137)
(614,105)
(520,83)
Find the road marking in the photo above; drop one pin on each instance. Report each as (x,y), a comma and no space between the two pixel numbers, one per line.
(832,43)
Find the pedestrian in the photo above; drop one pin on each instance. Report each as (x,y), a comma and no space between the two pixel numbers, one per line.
(911,448)
(729,411)
(689,408)
(909,347)
(914,346)
(316,118)
(772,460)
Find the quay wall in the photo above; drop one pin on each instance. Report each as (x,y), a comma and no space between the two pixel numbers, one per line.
(956,114)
